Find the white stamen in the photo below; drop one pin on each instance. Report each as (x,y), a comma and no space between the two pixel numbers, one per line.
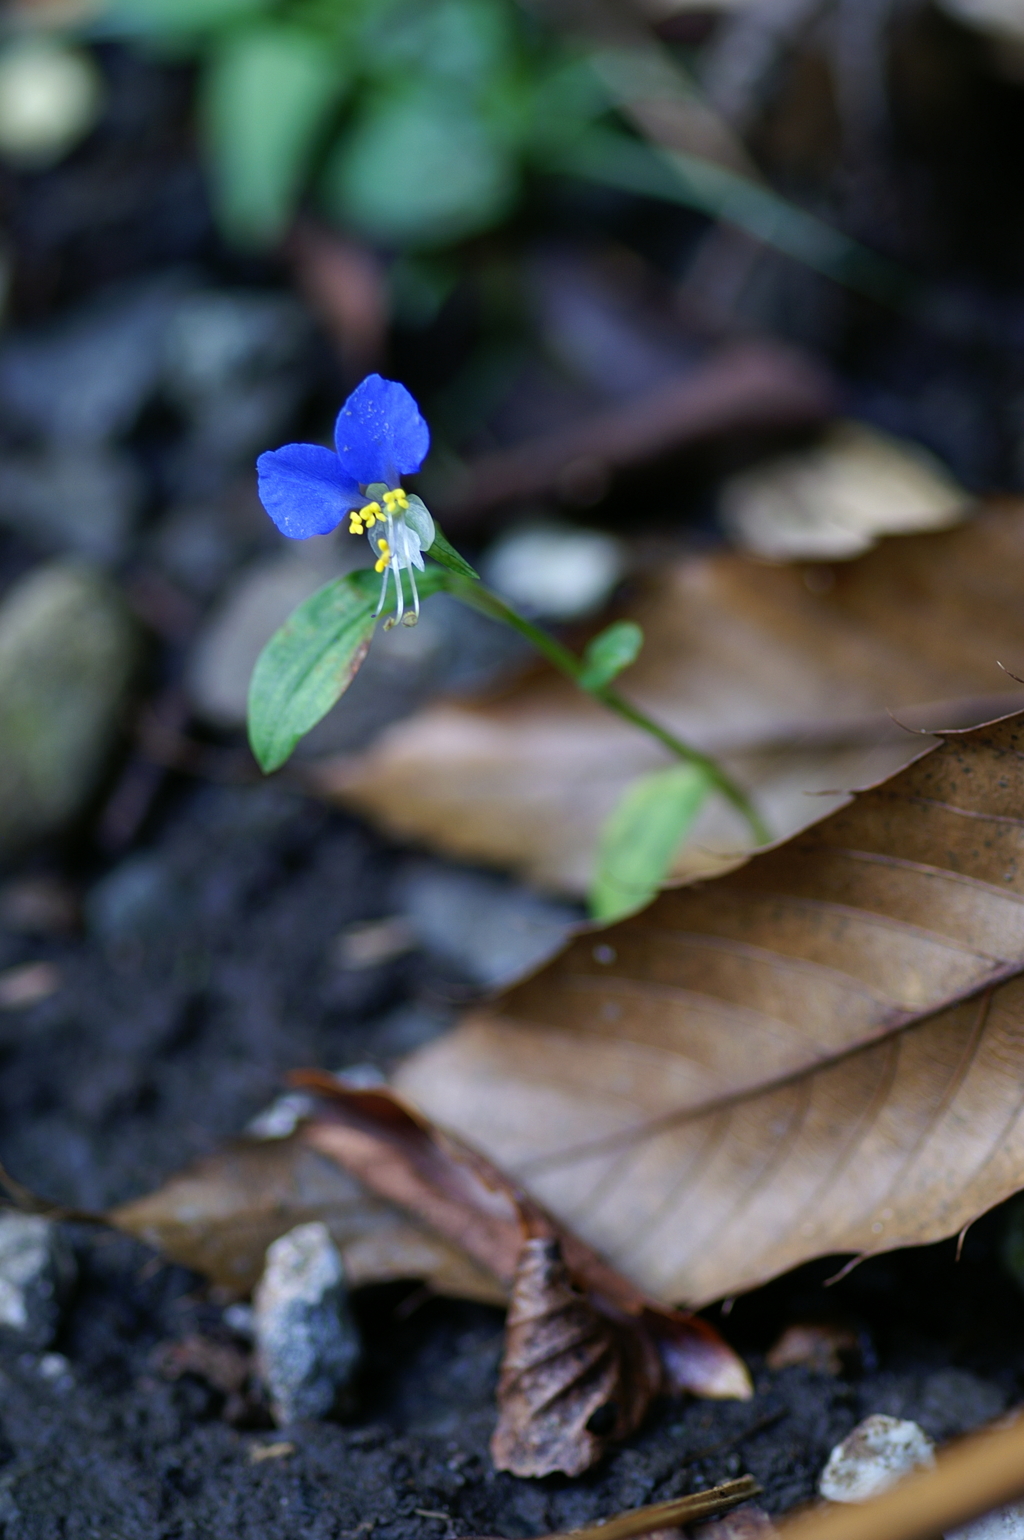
(411,620)
(383,593)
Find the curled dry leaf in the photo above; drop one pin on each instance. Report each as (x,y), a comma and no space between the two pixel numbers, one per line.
(826,1347)
(821,1052)
(586,1351)
(571,1378)
(787,673)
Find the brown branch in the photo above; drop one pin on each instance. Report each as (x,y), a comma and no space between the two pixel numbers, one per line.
(670,1515)
(749,385)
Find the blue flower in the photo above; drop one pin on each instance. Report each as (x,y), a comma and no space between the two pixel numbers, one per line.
(379,438)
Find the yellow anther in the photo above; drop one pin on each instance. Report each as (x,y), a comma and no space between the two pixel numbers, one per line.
(355,524)
(396,500)
(385,556)
(370,514)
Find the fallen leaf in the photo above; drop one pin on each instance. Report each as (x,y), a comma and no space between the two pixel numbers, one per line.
(823,1346)
(223,1365)
(470,1202)
(787,673)
(587,1351)
(220,1215)
(572,1380)
(834,500)
(818,1053)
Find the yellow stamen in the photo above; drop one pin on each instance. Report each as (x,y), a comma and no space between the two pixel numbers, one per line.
(369,515)
(355,523)
(385,555)
(393,501)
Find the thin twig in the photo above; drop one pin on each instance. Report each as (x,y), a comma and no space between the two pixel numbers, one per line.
(670,1515)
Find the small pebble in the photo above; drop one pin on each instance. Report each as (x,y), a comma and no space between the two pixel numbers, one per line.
(260,1452)
(873,1458)
(306,1341)
(27,984)
(37,1270)
(1002,1524)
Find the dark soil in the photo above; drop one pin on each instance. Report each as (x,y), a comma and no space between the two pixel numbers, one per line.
(202,976)
(206,967)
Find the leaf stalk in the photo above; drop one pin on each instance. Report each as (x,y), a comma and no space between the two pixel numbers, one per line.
(477,597)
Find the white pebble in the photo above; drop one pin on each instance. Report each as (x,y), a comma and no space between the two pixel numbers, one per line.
(873,1458)
(1004,1524)
(307,1345)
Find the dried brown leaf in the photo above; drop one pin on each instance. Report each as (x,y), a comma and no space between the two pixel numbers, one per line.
(220,1215)
(819,1053)
(572,1379)
(470,1202)
(789,673)
(824,1346)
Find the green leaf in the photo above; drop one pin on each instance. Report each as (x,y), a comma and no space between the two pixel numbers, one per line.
(418,167)
(152,18)
(616,159)
(642,835)
(449,557)
(309,664)
(608,653)
(267,96)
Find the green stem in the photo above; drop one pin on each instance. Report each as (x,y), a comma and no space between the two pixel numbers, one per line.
(480,598)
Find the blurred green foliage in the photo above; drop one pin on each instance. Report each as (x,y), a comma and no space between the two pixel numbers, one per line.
(411,122)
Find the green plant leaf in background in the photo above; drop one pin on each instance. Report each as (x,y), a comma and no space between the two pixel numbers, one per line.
(182,18)
(642,835)
(608,653)
(266,98)
(418,168)
(309,663)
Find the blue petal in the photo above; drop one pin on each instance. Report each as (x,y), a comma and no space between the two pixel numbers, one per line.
(305,490)
(380,434)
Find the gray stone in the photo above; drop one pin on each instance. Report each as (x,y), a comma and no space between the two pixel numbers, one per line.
(67,653)
(306,1341)
(72,499)
(85,378)
(1002,1524)
(872,1458)
(37,1272)
(233,364)
(492,929)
